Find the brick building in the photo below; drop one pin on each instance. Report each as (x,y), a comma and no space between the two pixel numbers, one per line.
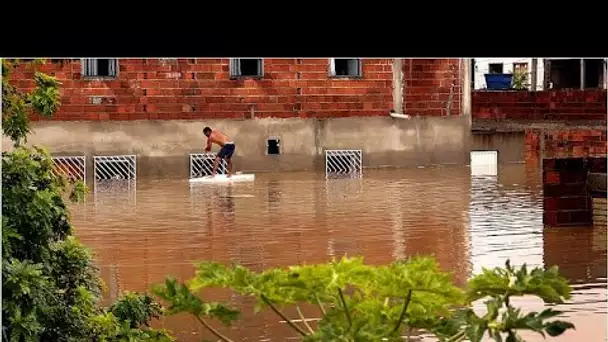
(158,107)
(165,89)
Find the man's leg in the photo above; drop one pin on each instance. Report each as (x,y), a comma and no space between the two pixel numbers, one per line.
(229,153)
(229,161)
(220,155)
(216,163)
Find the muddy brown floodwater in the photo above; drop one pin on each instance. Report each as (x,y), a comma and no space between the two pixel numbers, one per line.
(144,232)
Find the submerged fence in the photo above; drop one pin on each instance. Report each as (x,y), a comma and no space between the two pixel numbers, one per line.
(115,167)
(73,167)
(343,162)
(201,164)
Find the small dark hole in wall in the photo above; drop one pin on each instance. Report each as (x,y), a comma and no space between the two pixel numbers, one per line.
(273,146)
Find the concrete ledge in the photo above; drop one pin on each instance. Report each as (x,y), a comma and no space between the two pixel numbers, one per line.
(488,126)
(384,140)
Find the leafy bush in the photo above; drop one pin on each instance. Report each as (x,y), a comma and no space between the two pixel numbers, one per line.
(520,79)
(50,288)
(359,302)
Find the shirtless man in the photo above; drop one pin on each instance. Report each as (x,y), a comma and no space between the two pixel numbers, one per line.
(226,150)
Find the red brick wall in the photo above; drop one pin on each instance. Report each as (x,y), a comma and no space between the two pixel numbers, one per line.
(427,86)
(566,143)
(587,104)
(567,201)
(568,154)
(202,89)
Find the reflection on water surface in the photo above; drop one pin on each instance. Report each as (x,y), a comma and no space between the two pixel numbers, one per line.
(145,231)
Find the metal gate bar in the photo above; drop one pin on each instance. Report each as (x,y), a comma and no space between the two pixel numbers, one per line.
(115,167)
(73,167)
(201,164)
(343,162)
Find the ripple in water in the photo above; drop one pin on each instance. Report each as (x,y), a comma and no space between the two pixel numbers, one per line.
(143,233)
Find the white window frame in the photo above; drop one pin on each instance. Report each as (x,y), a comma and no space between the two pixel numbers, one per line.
(91,64)
(235,68)
(332,69)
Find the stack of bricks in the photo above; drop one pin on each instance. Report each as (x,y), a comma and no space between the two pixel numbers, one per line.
(567,199)
(199,89)
(550,105)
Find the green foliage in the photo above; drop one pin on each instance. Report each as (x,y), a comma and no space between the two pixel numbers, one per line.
(17,106)
(497,286)
(128,320)
(137,309)
(520,79)
(50,288)
(359,302)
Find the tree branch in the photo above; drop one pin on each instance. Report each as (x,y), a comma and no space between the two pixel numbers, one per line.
(213,331)
(320,305)
(405,305)
(304,320)
(291,324)
(350,322)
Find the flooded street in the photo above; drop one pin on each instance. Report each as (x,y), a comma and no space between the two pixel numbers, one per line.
(146,231)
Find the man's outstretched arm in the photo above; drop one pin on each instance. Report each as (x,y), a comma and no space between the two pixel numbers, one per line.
(208,148)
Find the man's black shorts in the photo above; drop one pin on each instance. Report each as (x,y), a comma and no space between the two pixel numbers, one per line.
(226,151)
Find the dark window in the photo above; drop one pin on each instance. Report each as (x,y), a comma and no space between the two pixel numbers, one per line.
(566,73)
(273,146)
(246,67)
(495,68)
(99,67)
(345,67)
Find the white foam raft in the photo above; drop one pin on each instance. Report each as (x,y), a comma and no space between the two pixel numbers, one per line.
(218,179)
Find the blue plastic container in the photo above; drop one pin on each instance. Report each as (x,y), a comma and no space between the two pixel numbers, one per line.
(498,81)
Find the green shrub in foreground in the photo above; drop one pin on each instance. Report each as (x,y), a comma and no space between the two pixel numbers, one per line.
(50,288)
(359,302)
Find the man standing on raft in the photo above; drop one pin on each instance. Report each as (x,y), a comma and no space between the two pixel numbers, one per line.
(226,150)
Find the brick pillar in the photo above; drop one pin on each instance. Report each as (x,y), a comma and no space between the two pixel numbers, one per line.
(566,199)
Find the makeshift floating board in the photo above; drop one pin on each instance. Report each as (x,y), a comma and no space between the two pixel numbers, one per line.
(218,179)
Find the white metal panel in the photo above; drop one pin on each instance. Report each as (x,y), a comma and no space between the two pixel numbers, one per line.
(201,164)
(115,167)
(73,167)
(343,162)
(484,163)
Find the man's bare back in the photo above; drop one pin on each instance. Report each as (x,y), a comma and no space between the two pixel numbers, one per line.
(226,150)
(216,137)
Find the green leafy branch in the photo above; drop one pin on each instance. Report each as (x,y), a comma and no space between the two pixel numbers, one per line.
(498,286)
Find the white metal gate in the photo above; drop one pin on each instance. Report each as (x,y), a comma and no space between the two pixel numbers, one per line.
(115,167)
(201,164)
(73,167)
(343,162)
(484,163)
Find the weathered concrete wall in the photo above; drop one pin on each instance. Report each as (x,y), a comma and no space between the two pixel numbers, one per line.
(510,145)
(162,146)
